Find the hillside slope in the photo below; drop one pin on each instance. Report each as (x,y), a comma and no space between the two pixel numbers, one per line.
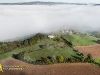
(54,48)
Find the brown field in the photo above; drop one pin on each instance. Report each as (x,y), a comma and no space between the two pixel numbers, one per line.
(56,69)
(94,50)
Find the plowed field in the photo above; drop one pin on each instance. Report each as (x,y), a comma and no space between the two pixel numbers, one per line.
(94,50)
(56,69)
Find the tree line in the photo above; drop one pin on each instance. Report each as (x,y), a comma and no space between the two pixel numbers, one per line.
(55,59)
(9,46)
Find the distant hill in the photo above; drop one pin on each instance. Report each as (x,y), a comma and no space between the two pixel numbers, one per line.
(48,3)
(41,3)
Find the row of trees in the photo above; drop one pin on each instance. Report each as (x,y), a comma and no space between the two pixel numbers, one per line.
(55,59)
(9,46)
(61,59)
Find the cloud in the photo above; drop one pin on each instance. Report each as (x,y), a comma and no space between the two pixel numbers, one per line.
(18,21)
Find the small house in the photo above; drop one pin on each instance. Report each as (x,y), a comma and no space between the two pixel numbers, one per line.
(51,36)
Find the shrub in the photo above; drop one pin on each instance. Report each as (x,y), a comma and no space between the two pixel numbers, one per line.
(60,59)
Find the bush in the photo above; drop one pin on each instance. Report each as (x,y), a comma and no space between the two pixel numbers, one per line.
(89,58)
(60,59)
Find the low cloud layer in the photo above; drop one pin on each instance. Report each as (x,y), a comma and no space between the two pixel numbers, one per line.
(18,21)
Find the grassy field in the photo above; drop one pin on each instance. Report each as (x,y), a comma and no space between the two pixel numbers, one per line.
(81,40)
(51,51)
(35,47)
(65,52)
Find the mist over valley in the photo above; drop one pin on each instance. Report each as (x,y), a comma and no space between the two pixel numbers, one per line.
(18,21)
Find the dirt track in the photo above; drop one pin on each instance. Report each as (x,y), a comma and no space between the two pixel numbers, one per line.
(57,69)
(94,50)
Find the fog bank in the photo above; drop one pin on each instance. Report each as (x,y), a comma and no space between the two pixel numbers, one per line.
(18,21)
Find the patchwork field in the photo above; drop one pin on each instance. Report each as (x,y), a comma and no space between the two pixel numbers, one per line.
(93,49)
(56,69)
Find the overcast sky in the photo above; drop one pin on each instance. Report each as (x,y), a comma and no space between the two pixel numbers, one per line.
(72,1)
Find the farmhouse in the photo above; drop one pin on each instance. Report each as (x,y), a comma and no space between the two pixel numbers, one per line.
(51,36)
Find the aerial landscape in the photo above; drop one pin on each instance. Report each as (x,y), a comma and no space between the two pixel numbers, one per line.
(49,37)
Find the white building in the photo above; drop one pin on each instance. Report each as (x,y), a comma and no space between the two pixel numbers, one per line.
(51,36)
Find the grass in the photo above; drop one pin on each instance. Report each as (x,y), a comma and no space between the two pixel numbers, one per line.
(81,40)
(35,47)
(97,60)
(65,52)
